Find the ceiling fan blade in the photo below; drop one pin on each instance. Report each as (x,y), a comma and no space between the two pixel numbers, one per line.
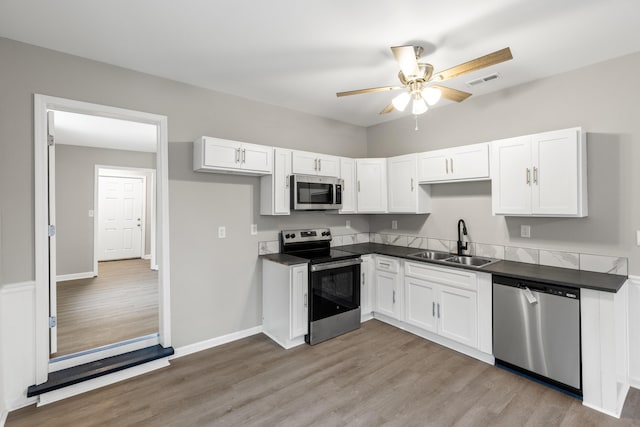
(389,108)
(453,94)
(406,58)
(373,89)
(473,65)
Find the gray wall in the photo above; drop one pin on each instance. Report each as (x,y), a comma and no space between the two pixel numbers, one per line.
(214,283)
(600,98)
(75,175)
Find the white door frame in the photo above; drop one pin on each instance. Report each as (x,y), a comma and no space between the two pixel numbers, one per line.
(127,172)
(42,103)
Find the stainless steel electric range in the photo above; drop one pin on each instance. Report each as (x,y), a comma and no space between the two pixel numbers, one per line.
(334,282)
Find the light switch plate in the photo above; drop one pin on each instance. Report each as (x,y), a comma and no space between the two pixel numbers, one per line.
(90,213)
(348,224)
(638,237)
(254,229)
(525,231)
(222,232)
(394,225)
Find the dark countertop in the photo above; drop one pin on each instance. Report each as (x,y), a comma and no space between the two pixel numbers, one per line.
(284,259)
(519,270)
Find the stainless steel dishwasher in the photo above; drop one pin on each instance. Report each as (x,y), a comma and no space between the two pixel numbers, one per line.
(536,330)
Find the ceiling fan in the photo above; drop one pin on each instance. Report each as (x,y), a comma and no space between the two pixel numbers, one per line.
(422,83)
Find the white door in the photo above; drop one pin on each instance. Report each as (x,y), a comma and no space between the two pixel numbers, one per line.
(256,157)
(304,163)
(299,301)
(221,153)
(555,173)
(470,161)
(433,166)
(372,185)
(348,175)
(53,288)
(511,176)
(402,184)
(457,315)
(386,293)
(366,285)
(420,304)
(120,202)
(329,166)
(281,181)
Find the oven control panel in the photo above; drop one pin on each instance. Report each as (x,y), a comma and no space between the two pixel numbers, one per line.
(309,235)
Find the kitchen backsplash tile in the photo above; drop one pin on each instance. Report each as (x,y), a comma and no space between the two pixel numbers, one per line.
(528,255)
(438,245)
(604,264)
(375,238)
(453,248)
(491,251)
(417,242)
(362,238)
(268,247)
(348,239)
(338,241)
(560,259)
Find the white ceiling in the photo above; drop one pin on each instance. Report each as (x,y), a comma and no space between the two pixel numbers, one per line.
(104,132)
(298,54)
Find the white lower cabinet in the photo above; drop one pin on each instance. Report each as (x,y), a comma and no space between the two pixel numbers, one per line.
(366,286)
(388,289)
(285,302)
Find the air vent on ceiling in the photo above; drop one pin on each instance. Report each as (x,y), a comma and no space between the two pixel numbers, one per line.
(484,79)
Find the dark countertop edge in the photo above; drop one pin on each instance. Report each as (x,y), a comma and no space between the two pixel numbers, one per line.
(284,259)
(540,273)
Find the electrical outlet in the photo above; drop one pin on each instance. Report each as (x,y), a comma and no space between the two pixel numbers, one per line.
(90,213)
(638,237)
(348,224)
(254,229)
(525,231)
(394,225)
(222,232)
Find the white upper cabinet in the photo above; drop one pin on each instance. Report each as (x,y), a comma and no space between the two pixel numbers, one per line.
(275,191)
(540,175)
(405,194)
(371,185)
(315,164)
(223,155)
(465,163)
(348,175)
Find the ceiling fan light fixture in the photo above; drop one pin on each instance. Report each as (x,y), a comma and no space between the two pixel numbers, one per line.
(401,101)
(431,95)
(419,105)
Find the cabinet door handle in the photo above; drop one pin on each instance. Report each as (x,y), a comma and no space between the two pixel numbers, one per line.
(528,176)
(237,155)
(446,165)
(286,181)
(385,264)
(306,300)
(358,186)
(244,155)
(433,309)
(412,184)
(319,164)
(394,297)
(362,279)
(535,175)
(451,159)
(438,310)
(315,164)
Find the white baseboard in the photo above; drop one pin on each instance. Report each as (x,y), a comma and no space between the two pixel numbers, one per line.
(634,382)
(146,256)
(3,417)
(214,342)
(366,317)
(75,276)
(85,386)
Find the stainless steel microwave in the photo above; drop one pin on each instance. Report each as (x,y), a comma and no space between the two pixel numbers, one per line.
(315,193)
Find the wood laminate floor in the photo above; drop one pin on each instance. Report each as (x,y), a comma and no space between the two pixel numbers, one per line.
(377,375)
(120,304)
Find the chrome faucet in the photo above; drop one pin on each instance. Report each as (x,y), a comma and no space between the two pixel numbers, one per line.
(462,247)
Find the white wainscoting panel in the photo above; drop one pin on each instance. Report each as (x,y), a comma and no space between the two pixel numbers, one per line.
(17,343)
(634,331)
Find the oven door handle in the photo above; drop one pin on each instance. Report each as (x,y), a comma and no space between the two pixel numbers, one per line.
(336,264)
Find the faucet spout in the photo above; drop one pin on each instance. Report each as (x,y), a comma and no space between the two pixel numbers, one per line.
(462,231)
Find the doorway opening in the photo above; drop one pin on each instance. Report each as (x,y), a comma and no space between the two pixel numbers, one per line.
(119,277)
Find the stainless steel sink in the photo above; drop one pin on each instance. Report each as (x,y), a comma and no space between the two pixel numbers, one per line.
(433,255)
(471,261)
